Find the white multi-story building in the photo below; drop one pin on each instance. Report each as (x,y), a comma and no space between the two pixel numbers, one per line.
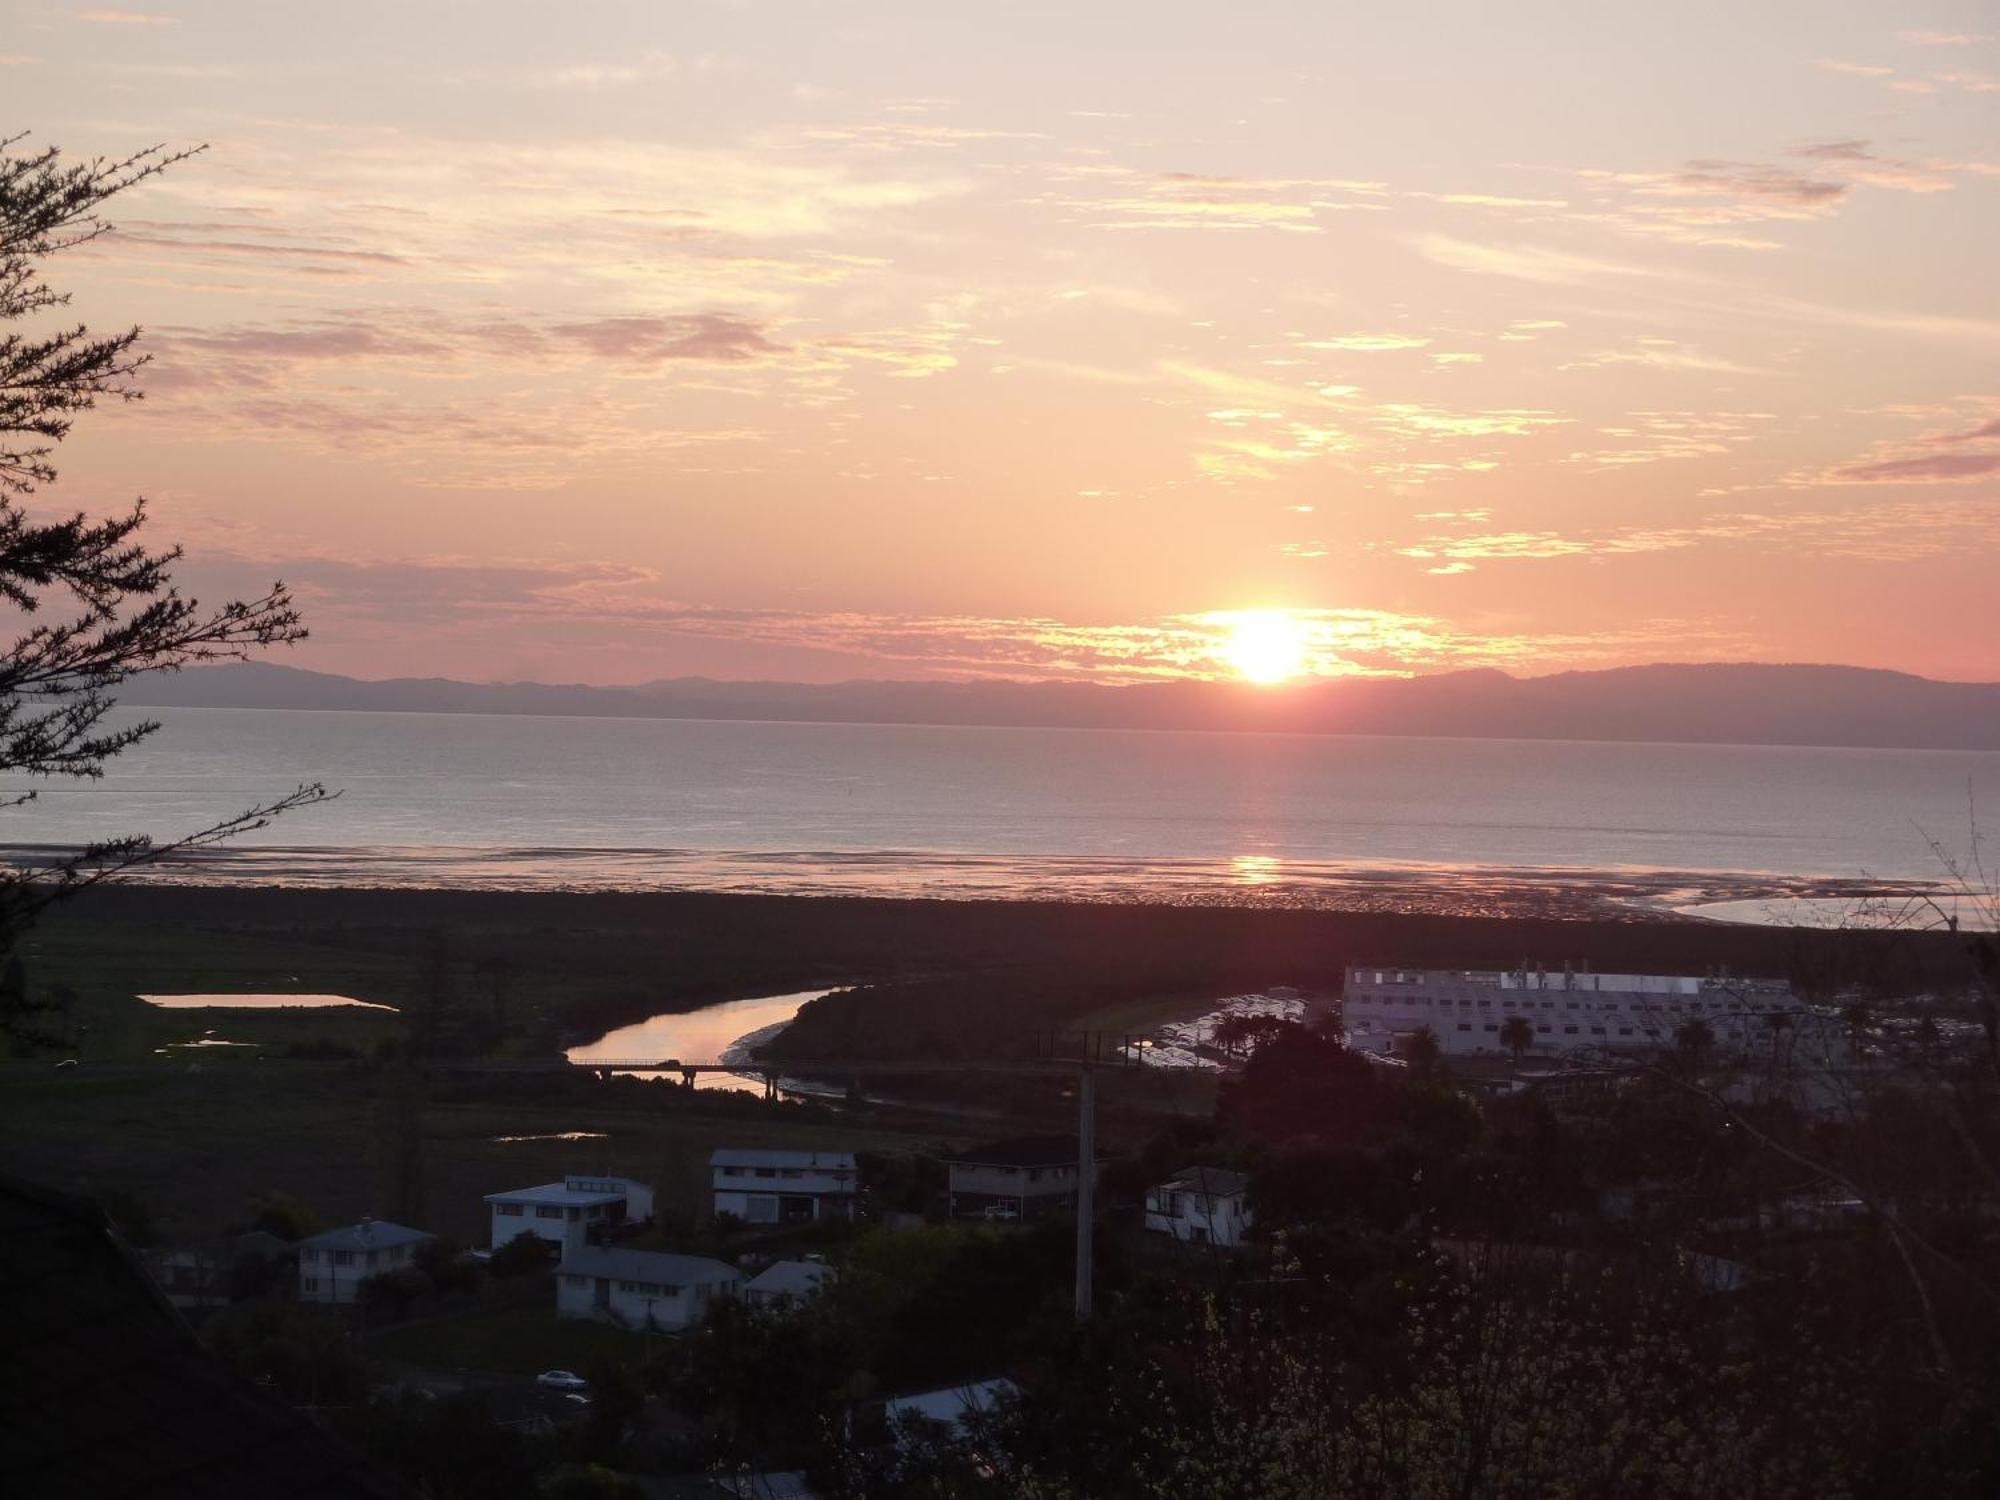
(641,1288)
(333,1265)
(784,1187)
(1571,1009)
(564,1213)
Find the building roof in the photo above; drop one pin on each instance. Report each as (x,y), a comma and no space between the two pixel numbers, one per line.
(821,1161)
(647,1265)
(369,1234)
(557,1194)
(1216,1182)
(108,1393)
(791,1278)
(1568,979)
(1021,1151)
(952,1403)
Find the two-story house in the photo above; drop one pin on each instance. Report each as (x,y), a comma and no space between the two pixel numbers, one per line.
(333,1265)
(569,1213)
(1031,1177)
(1201,1205)
(784,1187)
(641,1289)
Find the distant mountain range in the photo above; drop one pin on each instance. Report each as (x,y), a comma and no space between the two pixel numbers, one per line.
(1711,704)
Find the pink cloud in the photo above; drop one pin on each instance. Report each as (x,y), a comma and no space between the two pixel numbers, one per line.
(1933,468)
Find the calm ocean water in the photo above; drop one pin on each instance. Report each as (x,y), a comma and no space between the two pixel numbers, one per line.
(593,803)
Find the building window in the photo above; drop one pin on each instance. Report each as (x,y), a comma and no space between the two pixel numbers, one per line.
(1569,1031)
(343,1257)
(548,1213)
(507,1210)
(1543,1030)
(579,1282)
(310,1284)
(1465,1026)
(1491,1027)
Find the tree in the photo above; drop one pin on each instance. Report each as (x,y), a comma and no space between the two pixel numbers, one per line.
(1517,1035)
(1694,1040)
(118,611)
(523,1255)
(284,1216)
(1422,1050)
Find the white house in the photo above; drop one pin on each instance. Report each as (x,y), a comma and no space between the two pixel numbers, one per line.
(1201,1205)
(564,1213)
(1465,1010)
(797,1279)
(784,1187)
(333,1265)
(641,1288)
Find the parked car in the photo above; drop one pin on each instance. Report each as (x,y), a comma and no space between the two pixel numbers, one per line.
(561,1380)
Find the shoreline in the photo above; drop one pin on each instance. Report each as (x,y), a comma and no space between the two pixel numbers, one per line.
(1633,893)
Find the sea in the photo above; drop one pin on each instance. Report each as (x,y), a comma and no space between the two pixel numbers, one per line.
(1356,822)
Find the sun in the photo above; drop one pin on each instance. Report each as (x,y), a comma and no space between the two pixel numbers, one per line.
(1266,646)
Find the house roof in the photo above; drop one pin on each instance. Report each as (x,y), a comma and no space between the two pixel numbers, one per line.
(1216,1182)
(108,1393)
(791,1278)
(820,1161)
(951,1403)
(647,1265)
(1021,1151)
(557,1194)
(369,1234)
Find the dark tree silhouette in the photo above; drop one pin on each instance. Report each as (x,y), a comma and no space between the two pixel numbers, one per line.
(1423,1051)
(117,611)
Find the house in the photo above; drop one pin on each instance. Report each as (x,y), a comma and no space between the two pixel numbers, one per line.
(784,1187)
(333,1265)
(641,1289)
(572,1212)
(949,1416)
(1203,1206)
(215,1273)
(1032,1177)
(797,1279)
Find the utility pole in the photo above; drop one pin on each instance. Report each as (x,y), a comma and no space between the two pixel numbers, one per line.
(1086,1183)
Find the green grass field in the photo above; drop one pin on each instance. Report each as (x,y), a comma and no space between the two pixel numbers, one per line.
(196,1143)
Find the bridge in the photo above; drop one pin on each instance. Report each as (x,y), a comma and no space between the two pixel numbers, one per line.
(1127,1055)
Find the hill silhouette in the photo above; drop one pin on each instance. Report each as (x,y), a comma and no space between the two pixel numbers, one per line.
(1726,703)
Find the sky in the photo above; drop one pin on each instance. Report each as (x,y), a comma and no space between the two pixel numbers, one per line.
(609,341)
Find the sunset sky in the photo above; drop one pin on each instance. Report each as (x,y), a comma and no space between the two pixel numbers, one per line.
(613,341)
